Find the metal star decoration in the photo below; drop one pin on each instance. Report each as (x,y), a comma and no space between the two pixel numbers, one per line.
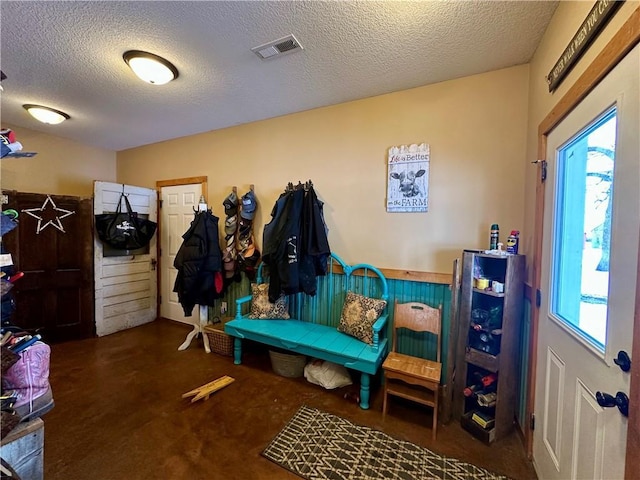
(54,223)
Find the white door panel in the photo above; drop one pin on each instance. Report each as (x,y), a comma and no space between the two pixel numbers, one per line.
(178,205)
(126,287)
(575,437)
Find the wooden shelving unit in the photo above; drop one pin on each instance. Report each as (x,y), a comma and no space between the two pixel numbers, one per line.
(487,367)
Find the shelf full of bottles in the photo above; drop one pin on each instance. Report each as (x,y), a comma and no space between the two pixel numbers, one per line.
(486,385)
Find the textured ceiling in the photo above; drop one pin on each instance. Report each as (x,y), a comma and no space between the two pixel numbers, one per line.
(68,55)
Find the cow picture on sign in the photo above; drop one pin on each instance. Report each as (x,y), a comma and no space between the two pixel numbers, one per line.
(408,178)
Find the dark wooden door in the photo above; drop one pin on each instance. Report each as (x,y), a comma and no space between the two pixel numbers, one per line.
(54,249)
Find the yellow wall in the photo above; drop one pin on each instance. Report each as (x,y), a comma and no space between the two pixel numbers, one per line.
(62,166)
(482,131)
(476,127)
(566,21)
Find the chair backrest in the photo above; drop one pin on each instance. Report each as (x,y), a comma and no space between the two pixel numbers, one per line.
(418,317)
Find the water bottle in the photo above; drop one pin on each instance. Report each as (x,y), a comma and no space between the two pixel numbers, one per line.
(495,233)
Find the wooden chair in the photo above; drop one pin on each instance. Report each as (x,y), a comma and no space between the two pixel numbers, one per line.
(414,378)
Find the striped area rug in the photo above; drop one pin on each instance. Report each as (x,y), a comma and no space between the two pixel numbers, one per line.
(317,445)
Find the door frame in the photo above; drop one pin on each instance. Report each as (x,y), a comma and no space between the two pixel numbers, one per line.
(204,182)
(618,47)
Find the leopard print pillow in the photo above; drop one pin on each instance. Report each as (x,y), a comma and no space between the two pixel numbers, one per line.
(359,313)
(261,307)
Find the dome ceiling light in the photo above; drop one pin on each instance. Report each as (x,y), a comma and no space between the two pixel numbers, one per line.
(150,68)
(46,114)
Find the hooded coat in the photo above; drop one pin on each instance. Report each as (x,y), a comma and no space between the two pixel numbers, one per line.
(199,264)
(295,244)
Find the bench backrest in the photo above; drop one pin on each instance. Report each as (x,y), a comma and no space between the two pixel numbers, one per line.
(326,306)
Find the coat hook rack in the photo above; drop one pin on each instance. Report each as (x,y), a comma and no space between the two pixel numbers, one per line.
(235,190)
(251,187)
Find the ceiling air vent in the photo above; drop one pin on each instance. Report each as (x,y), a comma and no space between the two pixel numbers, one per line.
(288,44)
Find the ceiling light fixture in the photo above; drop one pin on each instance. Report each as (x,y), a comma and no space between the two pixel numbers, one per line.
(150,68)
(46,114)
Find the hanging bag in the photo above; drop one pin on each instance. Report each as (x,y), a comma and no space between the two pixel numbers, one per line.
(124,230)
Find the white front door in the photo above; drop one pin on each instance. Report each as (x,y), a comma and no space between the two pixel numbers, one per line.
(177,213)
(588,281)
(126,286)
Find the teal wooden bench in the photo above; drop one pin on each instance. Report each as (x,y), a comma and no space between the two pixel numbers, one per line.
(312,329)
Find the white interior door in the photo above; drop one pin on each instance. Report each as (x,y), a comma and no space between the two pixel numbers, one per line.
(126,287)
(177,213)
(592,205)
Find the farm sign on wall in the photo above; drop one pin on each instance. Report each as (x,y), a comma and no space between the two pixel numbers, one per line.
(408,178)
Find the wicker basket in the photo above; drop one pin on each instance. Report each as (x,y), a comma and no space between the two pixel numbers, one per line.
(287,364)
(219,341)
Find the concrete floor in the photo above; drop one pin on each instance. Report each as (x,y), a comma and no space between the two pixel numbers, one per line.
(119,413)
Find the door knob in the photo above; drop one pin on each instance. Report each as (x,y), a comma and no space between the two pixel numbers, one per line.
(620,400)
(623,361)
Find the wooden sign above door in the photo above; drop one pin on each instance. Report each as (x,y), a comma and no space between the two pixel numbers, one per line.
(597,18)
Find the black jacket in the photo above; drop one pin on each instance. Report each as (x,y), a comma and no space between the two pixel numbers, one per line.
(295,244)
(315,249)
(199,262)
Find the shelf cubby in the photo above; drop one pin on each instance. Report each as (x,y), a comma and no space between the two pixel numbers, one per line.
(488,339)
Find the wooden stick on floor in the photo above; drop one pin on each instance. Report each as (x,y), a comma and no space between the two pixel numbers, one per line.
(207,389)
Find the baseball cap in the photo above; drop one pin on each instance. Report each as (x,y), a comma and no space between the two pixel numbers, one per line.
(229,262)
(252,259)
(249,205)
(231,243)
(249,251)
(231,224)
(244,227)
(230,204)
(248,263)
(246,242)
